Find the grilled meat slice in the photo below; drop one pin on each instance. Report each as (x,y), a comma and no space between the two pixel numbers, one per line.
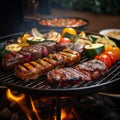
(51,46)
(29,71)
(35,69)
(83,75)
(67,57)
(26,71)
(71,46)
(35,52)
(87,69)
(12,59)
(29,53)
(53,62)
(64,77)
(48,63)
(47,66)
(70,58)
(98,65)
(96,68)
(70,76)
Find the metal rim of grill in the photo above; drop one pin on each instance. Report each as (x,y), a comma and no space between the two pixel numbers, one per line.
(41,86)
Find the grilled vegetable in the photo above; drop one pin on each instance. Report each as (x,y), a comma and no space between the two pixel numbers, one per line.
(35,33)
(94,49)
(24,37)
(3,51)
(53,36)
(35,40)
(93,38)
(69,35)
(69,30)
(113,56)
(65,40)
(106,41)
(104,58)
(116,50)
(13,47)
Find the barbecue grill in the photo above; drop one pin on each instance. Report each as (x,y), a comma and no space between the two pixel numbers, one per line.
(41,86)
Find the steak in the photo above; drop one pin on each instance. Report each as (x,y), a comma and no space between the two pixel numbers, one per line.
(85,71)
(42,66)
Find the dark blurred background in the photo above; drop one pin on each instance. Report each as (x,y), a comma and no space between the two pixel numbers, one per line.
(12,12)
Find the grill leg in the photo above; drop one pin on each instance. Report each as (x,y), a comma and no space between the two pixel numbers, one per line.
(58,108)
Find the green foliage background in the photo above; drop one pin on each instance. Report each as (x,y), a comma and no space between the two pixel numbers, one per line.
(96,6)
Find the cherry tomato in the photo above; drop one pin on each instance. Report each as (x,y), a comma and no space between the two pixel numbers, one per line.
(65,40)
(113,56)
(104,58)
(69,30)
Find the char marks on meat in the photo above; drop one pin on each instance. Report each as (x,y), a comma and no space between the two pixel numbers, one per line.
(71,46)
(34,52)
(85,71)
(12,59)
(42,66)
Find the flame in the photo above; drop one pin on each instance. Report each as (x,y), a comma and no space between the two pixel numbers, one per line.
(19,100)
(14,98)
(34,109)
(63,114)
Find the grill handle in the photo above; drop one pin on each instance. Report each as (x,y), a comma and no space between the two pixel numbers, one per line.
(109,94)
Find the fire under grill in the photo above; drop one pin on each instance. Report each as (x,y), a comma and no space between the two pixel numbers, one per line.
(42,87)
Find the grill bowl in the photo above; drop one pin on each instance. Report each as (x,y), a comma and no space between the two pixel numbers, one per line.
(41,86)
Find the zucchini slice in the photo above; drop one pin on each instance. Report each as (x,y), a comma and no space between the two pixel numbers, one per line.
(94,49)
(93,38)
(35,40)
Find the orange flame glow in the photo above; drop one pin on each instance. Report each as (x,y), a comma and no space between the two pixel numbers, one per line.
(63,114)
(14,98)
(34,109)
(19,100)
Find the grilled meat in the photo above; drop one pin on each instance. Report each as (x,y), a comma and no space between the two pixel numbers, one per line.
(29,53)
(71,46)
(12,59)
(66,57)
(42,66)
(65,77)
(86,71)
(34,52)
(51,46)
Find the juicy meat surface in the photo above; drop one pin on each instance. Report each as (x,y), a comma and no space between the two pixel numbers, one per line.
(11,60)
(42,66)
(85,71)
